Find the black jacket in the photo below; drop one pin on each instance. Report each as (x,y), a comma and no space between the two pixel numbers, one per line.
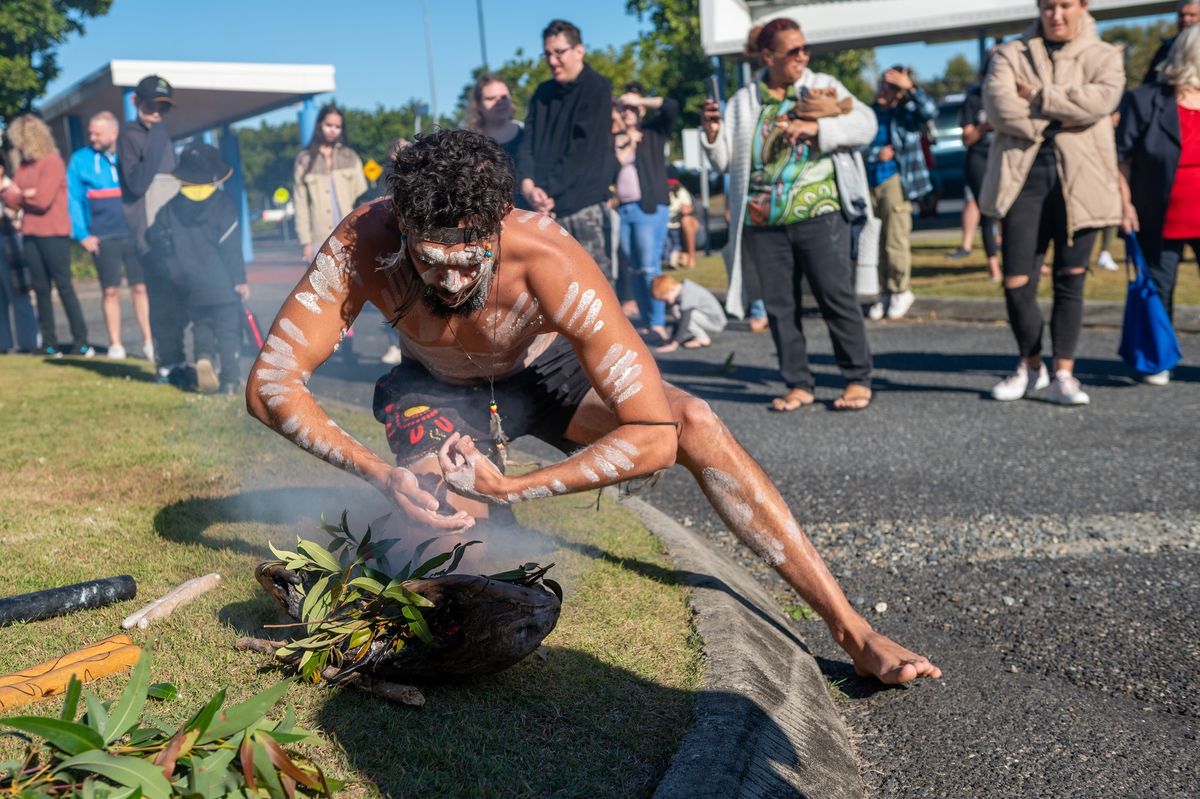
(651,159)
(1160,55)
(567,149)
(141,154)
(200,246)
(1148,137)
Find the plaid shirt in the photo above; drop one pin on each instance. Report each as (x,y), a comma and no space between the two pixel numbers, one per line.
(908,121)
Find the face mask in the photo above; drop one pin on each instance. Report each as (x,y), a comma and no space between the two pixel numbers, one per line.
(198,193)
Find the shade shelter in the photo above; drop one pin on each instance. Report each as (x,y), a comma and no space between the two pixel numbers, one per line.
(210,98)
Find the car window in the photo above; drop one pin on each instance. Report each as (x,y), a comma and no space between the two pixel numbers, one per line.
(947,122)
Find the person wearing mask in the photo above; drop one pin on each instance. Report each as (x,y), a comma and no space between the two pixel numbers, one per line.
(565,160)
(15,285)
(642,195)
(977,138)
(1052,177)
(98,224)
(790,142)
(328,178)
(1187,14)
(39,191)
(145,159)
(1158,144)
(899,174)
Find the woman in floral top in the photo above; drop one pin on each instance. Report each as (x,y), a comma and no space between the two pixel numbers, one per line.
(790,144)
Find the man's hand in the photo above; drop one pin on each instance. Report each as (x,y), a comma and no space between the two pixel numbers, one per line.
(1129,219)
(886,153)
(243,291)
(468,471)
(631,99)
(710,118)
(30,192)
(797,130)
(400,486)
(898,78)
(306,254)
(537,196)
(91,244)
(1027,91)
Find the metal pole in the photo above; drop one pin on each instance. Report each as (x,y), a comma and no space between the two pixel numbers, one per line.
(482,37)
(429,54)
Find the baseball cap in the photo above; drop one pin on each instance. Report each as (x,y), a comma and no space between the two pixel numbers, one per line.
(153,88)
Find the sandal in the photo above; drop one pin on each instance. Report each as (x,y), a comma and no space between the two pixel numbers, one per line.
(856,397)
(795,398)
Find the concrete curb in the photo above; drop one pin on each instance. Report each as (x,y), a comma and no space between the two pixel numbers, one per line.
(764,723)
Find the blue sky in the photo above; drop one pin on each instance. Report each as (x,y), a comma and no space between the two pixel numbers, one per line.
(377,46)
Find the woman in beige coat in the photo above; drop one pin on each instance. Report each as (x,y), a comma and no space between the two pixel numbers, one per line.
(329,176)
(1051,177)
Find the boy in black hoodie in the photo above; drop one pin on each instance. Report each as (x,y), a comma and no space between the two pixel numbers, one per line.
(196,235)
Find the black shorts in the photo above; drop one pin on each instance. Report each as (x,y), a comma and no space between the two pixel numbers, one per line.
(419,411)
(113,253)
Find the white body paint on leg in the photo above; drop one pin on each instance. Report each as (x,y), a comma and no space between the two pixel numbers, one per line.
(729,498)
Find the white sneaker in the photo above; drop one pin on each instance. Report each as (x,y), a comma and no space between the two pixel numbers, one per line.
(206,376)
(1105,261)
(876,311)
(900,304)
(393,356)
(1016,385)
(1158,378)
(148,351)
(1066,391)
(116,352)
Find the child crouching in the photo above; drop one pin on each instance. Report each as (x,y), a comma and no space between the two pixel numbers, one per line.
(698,311)
(196,237)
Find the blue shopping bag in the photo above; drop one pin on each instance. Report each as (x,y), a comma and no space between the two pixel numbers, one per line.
(1148,341)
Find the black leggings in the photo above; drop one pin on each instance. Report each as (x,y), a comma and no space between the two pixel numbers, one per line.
(49,259)
(1038,217)
(975,170)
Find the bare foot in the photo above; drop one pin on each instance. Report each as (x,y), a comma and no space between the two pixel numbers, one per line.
(882,658)
(697,343)
(759,325)
(670,346)
(630,309)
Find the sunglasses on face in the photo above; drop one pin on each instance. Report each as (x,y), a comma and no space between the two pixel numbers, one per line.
(157,108)
(548,54)
(796,52)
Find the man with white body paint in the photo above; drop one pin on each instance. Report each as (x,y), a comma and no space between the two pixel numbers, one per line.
(494,302)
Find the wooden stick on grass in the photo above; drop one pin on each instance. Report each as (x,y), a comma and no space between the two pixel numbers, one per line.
(165,605)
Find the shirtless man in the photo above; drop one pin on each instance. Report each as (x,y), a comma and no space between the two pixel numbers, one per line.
(495,302)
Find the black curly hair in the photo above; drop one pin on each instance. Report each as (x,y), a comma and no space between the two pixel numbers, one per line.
(448,176)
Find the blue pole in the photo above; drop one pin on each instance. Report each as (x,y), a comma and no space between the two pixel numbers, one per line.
(308,120)
(129,103)
(236,186)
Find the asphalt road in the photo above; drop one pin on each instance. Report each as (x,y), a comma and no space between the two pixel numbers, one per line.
(1046,558)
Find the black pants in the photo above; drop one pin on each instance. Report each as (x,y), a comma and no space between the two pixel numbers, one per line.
(819,250)
(1037,218)
(168,314)
(217,333)
(975,170)
(1164,271)
(49,260)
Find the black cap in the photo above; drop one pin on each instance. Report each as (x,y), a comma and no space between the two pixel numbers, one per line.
(152,88)
(200,163)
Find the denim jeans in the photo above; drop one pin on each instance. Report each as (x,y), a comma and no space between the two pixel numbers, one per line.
(642,237)
(1164,271)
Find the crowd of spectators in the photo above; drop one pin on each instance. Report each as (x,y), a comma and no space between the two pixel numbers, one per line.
(807,166)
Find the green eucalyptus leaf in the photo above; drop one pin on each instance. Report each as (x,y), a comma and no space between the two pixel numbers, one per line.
(97,715)
(265,769)
(319,556)
(281,554)
(162,691)
(368,584)
(71,699)
(67,736)
(132,772)
(406,596)
(206,714)
(416,623)
(207,776)
(129,707)
(456,557)
(313,600)
(239,717)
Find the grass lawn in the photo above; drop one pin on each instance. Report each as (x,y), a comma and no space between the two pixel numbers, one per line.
(935,275)
(106,473)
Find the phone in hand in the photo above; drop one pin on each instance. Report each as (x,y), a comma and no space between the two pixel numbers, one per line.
(713,88)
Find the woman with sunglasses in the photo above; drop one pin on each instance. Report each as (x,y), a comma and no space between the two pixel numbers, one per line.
(790,143)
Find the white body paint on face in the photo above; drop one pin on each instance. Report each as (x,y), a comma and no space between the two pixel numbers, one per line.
(473,255)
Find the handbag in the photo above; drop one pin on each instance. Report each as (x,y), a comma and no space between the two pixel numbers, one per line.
(1148,341)
(866,269)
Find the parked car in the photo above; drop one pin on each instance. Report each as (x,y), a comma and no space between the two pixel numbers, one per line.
(949,155)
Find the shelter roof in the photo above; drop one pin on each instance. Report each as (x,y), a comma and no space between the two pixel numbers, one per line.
(724,24)
(208,94)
